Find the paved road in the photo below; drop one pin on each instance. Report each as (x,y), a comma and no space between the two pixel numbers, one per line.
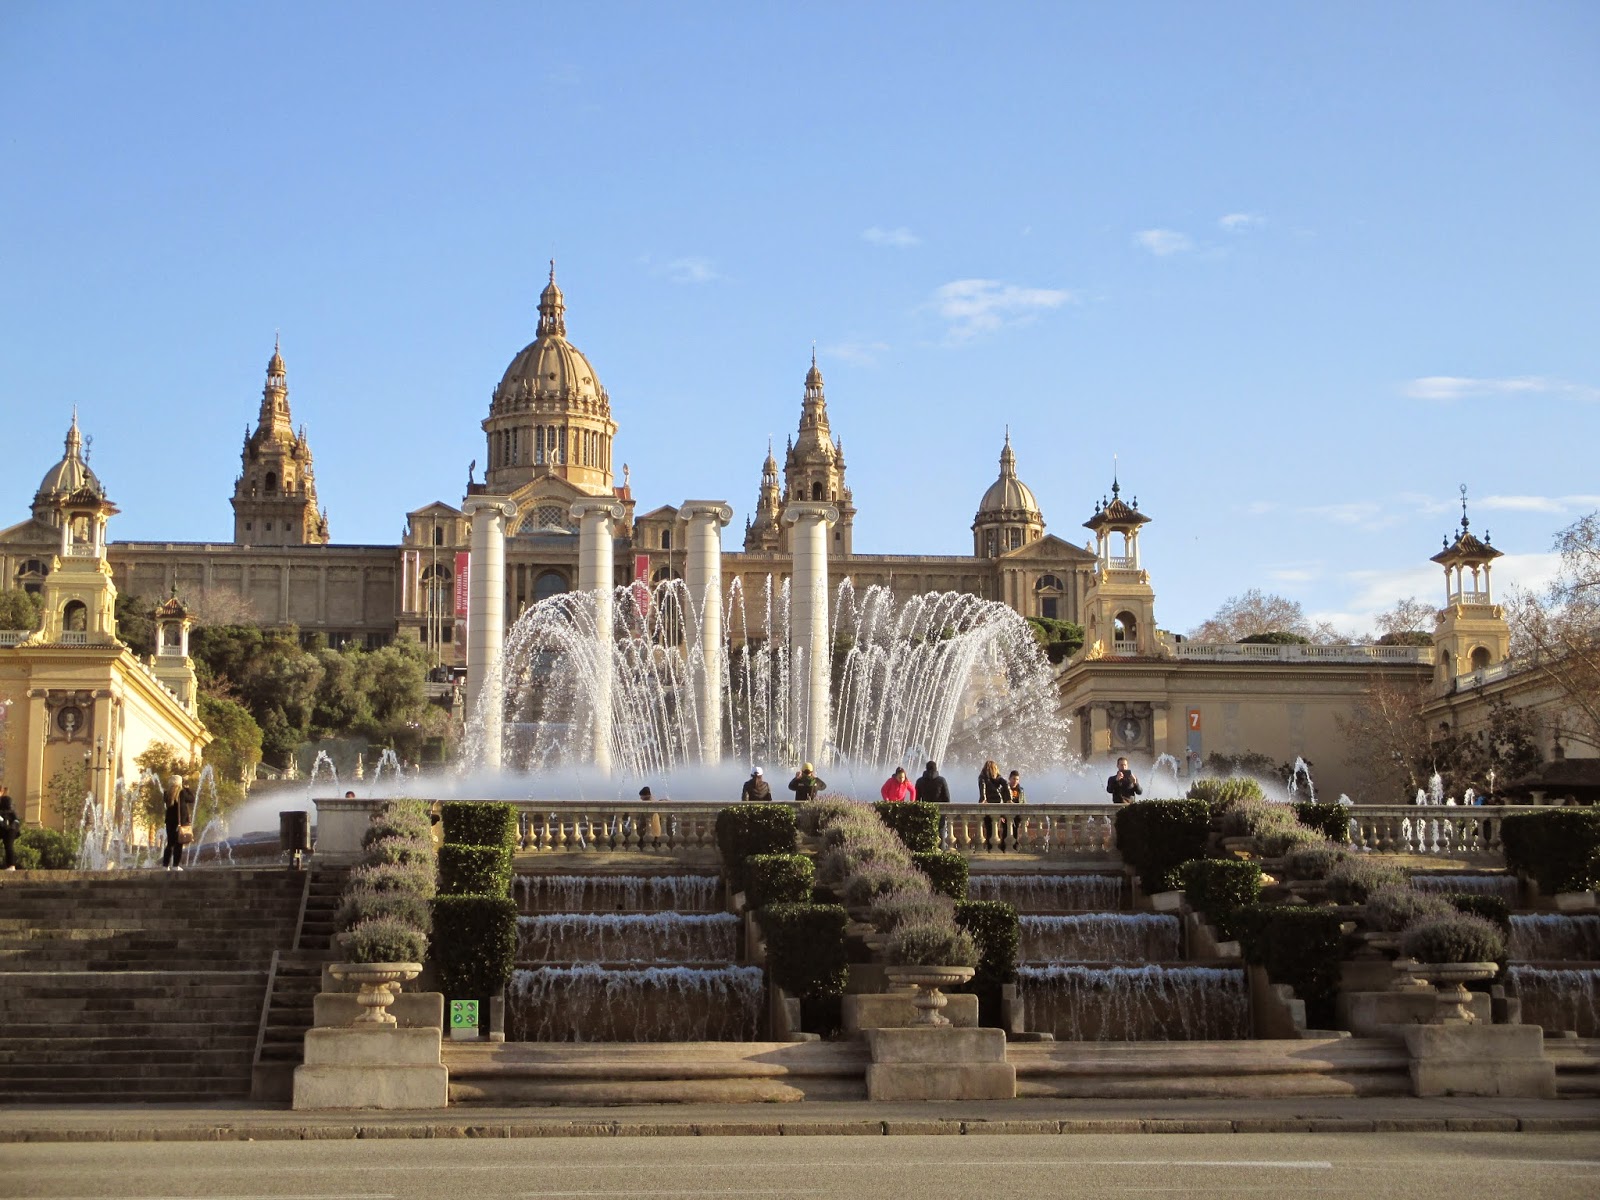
(1446,1166)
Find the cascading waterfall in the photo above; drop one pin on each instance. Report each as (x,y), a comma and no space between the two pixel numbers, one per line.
(1555,937)
(1101,938)
(1507,887)
(1559,998)
(1145,1003)
(617,893)
(935,675)
(589,1003)
(1049,893)
(628,937)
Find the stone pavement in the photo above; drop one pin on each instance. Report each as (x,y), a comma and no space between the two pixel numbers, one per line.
(245,1122)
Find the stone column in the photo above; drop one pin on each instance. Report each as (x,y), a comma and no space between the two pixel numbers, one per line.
(808,624)
(486,617)
(706,520)
(597,574)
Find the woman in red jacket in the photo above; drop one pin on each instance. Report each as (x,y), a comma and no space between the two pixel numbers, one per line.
(897,788)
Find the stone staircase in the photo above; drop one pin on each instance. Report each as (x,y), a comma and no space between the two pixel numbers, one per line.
(135,986)
(296,980)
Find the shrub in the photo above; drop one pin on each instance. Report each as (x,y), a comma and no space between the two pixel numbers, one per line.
(47,850)
(805,948)
(1311,862)
(813,816)
(916,824)
(415,878)
(931,944)
(1276,637)
(777,879)
(896,907)
(1220,795)
(399,818)
(1220,887)
(749,829)
(1559,849)
(1332,821)
(880,850)
(1453,939)
(1493,909)
(479,823)
(1301,947)
(1155,836)
(384,940)
(474,944)
(401,851)
(1391,908)
(874,880)
(362,904)
(946,871)
(474,870)
(995,928)
(1352,880)
(1278,843)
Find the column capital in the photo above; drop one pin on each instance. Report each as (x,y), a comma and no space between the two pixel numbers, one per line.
(720,510)
(598,506)
(504,505)
(806,510)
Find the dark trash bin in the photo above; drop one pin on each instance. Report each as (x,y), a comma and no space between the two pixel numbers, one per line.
(294,832)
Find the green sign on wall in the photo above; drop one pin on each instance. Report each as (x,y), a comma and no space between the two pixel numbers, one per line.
(463,1014)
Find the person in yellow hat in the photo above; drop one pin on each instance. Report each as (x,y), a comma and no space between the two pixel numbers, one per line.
(807,785)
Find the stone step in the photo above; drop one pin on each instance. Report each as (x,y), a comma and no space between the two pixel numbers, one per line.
(74,1043)
(196,1033)
(172,1065)
(114,1090)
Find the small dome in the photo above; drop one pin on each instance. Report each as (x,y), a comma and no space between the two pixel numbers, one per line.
(69,475)
(550,366)
(1008,494)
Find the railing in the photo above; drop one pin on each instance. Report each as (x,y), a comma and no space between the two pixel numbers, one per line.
(1052,830)
(89,551)
(1467,597)
(1125,649)
(1121,563)
(73,637)
(1270,652)
(666,827)
(13,637)
(1485,675)
(1449,831)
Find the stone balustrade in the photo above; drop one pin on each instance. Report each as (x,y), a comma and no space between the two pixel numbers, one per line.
(1052,830)
(1293,652)
(666,827)
(1451,831)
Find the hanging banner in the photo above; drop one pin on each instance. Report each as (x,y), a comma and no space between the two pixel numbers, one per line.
(641,568)
(463,565)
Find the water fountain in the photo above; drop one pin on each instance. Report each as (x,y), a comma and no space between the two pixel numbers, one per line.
(617,893)
(1301,770)
(1167,764)
(1555,937)
(1111,937)
(1044,894)
(1136,1003)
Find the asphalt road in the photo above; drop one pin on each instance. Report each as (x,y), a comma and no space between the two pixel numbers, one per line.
(1448,1166)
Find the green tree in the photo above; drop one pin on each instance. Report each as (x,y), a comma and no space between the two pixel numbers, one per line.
(165,760)
(20,609)
(235,748)
(67,788)
(342,702)
(135,627)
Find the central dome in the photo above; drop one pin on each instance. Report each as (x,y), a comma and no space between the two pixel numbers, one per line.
(1008,494)
(550,368)
(69,475)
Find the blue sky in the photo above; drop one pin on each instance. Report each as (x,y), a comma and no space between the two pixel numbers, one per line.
(1303,269)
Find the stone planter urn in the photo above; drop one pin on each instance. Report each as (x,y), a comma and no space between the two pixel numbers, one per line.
(1450,979)
(928,980)
(378,983)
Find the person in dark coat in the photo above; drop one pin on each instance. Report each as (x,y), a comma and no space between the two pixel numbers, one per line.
(179,812)
(756,789)
(992,789)
(1124,785)
(931,787)
(806,785)
(10,826)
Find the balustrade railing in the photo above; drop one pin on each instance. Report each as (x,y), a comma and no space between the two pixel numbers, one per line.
(13,637)
(1449,831)
(1270,652)
(1052,830)
(665,827)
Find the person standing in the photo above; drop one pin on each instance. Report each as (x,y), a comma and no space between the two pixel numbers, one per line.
(807,785)
(992,789)
(179,813)
(756,789)
(10,826)
(931,786)
(897,789)
(1124,785)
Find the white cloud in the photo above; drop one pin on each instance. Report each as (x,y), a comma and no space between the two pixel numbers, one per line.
(1258,508)
(1294,575)
(691,269)
(1449,388)
(1240,221)
(1369,514)
(1374,592)
(1162,242)
(863,354)
(900,238)
(974,306)
(1427,505)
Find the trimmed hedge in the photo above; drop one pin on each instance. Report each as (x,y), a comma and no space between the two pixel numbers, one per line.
(474,870)
(946,870)
(994,925)
(805,948)
(41,849)
(1299,946)
(479,823)
(1154,836)
(1220,887)
(1332,821)
(778,879)
(1490,908)
(748,829)
(916,824)
(474,944)
(1559,850)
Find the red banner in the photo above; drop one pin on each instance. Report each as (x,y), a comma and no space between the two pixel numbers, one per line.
(463,571)
(641,568)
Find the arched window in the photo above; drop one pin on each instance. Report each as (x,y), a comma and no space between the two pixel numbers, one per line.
(438,535)
(272,483)
(816,491)
(1127,630)
(436,590)
(666,539)
(1480,657)
(662,574)
(549,583)
(75,616)
(1049,591)
(30,575)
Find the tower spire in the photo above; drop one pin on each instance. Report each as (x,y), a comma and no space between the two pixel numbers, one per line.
(552,308)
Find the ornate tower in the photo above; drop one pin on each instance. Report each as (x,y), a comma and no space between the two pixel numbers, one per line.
(80,601)
(549,415)
(813,468)
(764,531)
(172,664)
(275,498)
(1008,516)
(1120,605)
(1470,631)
